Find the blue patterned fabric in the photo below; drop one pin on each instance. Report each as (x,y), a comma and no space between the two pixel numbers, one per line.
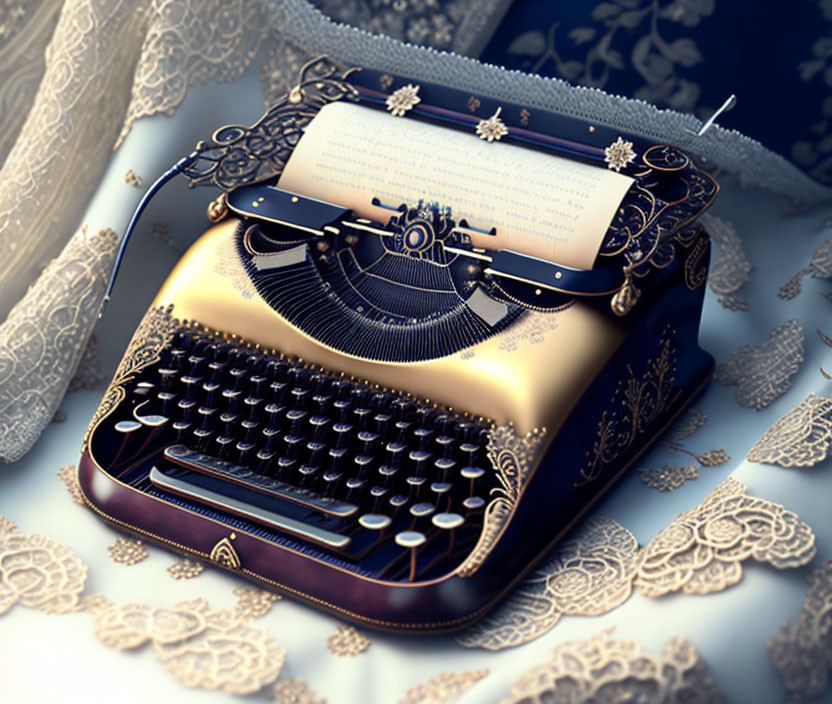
(690,55)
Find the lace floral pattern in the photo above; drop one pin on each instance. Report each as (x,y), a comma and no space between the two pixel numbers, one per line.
(801,438)
(589,575)
(802,653)
(43,337)
(763,374)
(702,551)
(603,668)
(199,646)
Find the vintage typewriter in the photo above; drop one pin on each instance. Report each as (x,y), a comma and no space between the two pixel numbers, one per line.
(395,417)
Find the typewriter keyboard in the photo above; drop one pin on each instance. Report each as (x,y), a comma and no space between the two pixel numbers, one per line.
(368,479)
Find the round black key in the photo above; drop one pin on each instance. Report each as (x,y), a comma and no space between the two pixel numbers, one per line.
(382,422)
(421,510)
(223,444)
(294,420)
(264,458)
(444,445)
(474,503)
(419,461)
(336,456)
(244,451)
(343,433)
(368,442)
(181,428)
(362,464)
(128,426)
(232,400)
(252,404)
(444,467)
(472,472)
(190,384)
(415,485)
(166,375)
(278,391)
(258,385)
(401,429)
(314,453)
(201,438)
(387,474)
(307,474)
(374,521)
(447,521)
(292,445)
(395,452)
(422,436)
(320,403)
(285,465)
(300,397)
(318,425)
(354,487)
(398,500)
(275,412)
(469,452)
(210,390)
(331,480)
(441,487)
(361,416)
(229,424)
(341,408)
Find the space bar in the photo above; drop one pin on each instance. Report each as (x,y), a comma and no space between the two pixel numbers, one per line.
(243,476)
(246,510)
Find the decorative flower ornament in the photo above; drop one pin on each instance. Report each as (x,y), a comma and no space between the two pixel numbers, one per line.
(402,100)
(619,154)
(493,128)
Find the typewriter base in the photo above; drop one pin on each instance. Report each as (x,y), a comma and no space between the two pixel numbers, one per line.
(659,361)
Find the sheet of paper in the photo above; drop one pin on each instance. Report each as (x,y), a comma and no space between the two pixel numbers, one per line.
(541,204)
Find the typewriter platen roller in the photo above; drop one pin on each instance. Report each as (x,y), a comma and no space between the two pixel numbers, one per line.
(381,416)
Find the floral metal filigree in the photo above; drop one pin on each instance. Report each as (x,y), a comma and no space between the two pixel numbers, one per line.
(619,154)
(153,333)
(197,645)
(603,668)
(403,100)
(185,568)
(820,266)
(731,269)
(635,405)
(127,551)
(513,457)
(801,438)
(493,128)
(295,691)
(763,374)
(38,572)
(802,653)
(227,264)
(444,688)
(239,155)
(532,328)
(347,642)
(68,474)
(702,550)
(589,575)
(253,603)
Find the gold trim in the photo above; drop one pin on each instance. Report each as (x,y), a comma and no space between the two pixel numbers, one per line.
(224,554)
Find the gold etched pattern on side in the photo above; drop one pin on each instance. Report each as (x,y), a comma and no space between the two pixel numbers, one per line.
(635,405)
(696,264)
(603,668)
(197,645)
(801,438)
(68,474)
(702,550)
(253,603)
(763,374)
(127,551)
(153,333)
(513,457)
(589,575)
(347,642)
(802,653)
(444,688)
(185,568)
(38,572)
(224,554)
(295,691)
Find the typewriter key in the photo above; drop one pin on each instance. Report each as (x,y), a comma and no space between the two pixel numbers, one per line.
(474,503)
(449,522)
(412,540)
(374,521)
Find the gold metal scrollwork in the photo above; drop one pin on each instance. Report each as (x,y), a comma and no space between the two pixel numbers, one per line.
(224,554)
